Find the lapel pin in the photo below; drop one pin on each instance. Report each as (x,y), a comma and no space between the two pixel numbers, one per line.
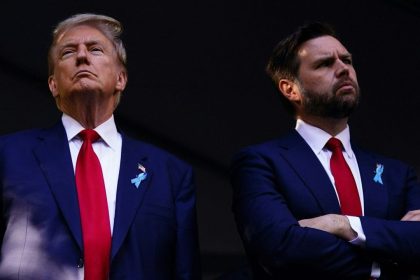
(378,174)
(140,177)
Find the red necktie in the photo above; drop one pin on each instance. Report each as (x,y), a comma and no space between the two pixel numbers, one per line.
(93,210)
(344,180)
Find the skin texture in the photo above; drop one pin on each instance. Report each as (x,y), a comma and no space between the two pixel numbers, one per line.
(327,76)
(412,216)
(335,224)
(88,77)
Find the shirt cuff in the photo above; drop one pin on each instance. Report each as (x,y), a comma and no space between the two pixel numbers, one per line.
(360,240)
(356,225)
(376,271)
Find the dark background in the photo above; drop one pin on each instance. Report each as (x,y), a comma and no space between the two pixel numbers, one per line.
(197,85)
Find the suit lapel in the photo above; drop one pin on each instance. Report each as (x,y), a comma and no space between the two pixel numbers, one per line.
(374,194)
(306,164)
(129,197)
(54,159)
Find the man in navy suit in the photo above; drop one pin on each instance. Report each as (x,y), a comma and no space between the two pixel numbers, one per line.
(288,202)
(150,197)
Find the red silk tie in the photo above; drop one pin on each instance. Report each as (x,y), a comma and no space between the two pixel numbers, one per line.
(93,209)
(344,180)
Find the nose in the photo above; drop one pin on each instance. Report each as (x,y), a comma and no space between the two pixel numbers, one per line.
(342,68)
(82,56)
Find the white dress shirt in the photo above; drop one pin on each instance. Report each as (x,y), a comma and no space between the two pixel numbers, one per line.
(108,150)
(316,138)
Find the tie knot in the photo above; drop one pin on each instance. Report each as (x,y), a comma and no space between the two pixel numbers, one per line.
(334,144)
(89,135)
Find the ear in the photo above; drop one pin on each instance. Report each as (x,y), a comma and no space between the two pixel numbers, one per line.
(121,81)
(290,90)
(53,86)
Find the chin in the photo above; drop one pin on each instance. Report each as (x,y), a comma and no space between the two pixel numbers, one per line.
(86,88)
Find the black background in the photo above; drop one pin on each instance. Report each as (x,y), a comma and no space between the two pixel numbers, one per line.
(197,85)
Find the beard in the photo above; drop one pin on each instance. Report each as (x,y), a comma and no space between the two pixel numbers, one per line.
(330,104)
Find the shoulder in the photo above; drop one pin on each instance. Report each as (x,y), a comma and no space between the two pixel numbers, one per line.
(273,147)
(276,154)
(169,167)
(30,137)
(153,153)
(387,162)
(23,134)
(20,138)
(359,151)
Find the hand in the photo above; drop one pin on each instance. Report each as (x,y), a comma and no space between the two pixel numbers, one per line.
(337,225)
(413,215)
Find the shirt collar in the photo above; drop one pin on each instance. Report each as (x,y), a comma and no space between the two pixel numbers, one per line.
(317,138)
(107,130)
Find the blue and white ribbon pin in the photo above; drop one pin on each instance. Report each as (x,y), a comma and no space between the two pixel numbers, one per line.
(378,174)
(140,177)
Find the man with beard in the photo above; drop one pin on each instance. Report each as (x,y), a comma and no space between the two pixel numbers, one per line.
(312,205)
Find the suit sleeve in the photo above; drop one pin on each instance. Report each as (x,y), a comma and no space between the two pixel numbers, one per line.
(395,242)
(2,222)
(271,233)
(187,248)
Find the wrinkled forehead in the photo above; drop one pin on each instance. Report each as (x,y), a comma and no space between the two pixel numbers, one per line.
(81,33)
(323,46)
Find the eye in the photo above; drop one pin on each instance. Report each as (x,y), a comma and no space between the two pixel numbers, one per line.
(324,63)
(66,52)
(96,50)
(347,60)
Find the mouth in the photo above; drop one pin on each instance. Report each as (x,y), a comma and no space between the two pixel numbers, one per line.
(345,86)
(83,73)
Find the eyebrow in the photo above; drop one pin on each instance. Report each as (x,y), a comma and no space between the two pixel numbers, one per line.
(346,55)
(73,44)
(327,57)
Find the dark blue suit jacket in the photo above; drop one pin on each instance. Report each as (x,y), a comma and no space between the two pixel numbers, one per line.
(155,232)
(280,182)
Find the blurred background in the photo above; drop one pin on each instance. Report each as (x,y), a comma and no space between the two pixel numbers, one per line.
(197,85)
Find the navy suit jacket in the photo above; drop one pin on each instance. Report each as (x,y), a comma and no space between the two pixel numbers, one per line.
(155,232)
(280,182)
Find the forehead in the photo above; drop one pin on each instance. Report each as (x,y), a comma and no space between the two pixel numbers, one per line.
(82,34)
(320,47)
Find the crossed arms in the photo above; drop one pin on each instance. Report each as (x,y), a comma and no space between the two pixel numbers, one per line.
(339,225)
(285,229)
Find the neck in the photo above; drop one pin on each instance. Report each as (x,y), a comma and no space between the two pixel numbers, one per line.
(332,126)
(88,114)
(90,120)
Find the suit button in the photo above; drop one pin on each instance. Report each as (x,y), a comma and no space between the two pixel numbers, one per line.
(80,264)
